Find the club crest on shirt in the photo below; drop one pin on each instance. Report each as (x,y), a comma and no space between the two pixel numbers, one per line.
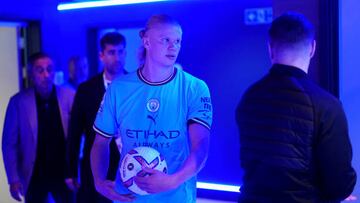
(153,105)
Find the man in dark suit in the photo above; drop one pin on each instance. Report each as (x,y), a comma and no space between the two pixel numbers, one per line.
(35,135)
(86,104)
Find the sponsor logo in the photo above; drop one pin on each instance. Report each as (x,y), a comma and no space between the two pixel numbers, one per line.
(170,134)
(156,145)
(206,101)
(159,138)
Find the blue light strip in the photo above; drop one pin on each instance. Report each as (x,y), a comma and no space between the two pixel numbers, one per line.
(93,4)
(12,24)
(218,187)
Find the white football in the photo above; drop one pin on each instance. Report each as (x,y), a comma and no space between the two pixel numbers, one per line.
(132,164)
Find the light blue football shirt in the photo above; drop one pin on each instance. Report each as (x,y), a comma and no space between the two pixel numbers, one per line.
(156,115)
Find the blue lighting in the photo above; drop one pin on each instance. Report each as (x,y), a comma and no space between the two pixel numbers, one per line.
(12,24)
(218,187)
(92,4)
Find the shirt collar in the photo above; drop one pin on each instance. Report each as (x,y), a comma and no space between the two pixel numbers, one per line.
(106,81)
(170,78)
(287,70)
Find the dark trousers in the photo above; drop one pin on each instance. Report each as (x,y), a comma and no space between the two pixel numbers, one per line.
(87,192)
(39,190)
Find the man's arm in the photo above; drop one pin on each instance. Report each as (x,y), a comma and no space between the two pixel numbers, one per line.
(10,145)
(76,130)
(199,149)
(333,156)
(159,182)
(99,167)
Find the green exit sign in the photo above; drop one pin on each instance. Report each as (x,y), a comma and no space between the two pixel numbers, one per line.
(256,16)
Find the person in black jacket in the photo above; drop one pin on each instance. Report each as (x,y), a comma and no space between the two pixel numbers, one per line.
(294,142)
(86,104)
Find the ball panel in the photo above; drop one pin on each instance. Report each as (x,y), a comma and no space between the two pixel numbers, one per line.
(132,165)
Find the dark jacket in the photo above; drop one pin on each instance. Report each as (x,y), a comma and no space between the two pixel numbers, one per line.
(86,104)
(294,143)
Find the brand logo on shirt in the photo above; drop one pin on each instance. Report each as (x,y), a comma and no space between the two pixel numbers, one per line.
(152,118)
(206,101)
(152,138)
(153,134)
(153,105)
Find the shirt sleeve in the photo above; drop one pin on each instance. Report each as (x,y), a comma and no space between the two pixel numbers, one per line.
(200,108)
(106,123)
(11,140)
(333,154)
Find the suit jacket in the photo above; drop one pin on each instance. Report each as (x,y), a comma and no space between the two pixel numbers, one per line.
(19,140)
(86,104)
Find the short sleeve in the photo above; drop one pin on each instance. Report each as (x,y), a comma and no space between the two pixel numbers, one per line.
(105,123)
(200,107)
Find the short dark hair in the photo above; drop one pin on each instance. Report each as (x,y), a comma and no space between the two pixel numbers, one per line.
(291,28)
(113,38)
(34,57)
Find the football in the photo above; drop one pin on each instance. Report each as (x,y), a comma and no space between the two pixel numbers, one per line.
(132,163)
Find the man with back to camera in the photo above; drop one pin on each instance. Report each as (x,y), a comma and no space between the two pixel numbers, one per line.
(34,136)
(86,104)
(294,138)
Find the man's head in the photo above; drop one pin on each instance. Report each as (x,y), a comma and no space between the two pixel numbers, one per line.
(162,40)
(78,69)
(291,38)
(113,52)
(42,73)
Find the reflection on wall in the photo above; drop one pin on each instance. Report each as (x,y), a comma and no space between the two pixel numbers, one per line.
(9,85)
(349,75)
